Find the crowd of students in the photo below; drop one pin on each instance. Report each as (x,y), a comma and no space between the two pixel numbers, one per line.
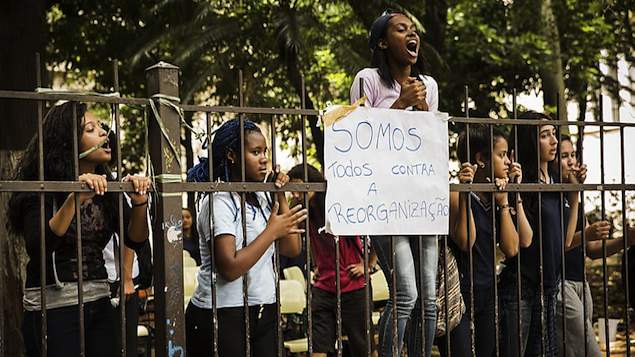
(517,223)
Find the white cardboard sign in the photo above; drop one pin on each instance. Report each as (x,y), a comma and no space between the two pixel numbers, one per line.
(387,173)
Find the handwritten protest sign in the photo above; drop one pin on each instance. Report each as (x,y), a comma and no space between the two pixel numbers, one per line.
(387,173)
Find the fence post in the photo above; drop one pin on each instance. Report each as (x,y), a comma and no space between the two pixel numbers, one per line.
(163,78)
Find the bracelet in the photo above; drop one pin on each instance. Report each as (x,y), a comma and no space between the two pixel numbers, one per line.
(140,204)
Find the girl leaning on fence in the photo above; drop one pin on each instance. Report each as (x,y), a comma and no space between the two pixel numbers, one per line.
(575,286)
(540,278)
(236,255)
(397,80)
(505,210)
(99,221)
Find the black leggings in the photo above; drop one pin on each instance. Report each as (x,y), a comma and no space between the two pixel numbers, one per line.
(63,330)
(231,331)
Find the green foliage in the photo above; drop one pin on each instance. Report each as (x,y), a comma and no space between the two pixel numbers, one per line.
(491,46)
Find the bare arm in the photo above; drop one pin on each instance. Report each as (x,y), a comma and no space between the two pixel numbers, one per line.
(526,233)
(458,221)
(138,230)
(572,222)
(291,245)
(128,262)
(458,211)
(63,218)
(234,263)
(594,248)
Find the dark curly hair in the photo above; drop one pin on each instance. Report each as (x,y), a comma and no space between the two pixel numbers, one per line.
(57,135)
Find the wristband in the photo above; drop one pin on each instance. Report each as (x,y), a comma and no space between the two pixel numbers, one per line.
(140,204)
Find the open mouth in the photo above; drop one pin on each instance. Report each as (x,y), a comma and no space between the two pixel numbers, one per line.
(411,46)
(106,146)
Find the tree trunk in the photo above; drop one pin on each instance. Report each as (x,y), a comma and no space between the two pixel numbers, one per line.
(551,73)
(12,261)
(22,36)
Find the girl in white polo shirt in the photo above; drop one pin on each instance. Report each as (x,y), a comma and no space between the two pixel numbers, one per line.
(265,223)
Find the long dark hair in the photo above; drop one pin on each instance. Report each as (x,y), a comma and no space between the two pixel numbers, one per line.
(226,140)
(317,202)
(379,60)
(57,135)
(480,142)
(528,151)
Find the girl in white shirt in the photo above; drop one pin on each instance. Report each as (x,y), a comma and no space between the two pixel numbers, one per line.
(265,223)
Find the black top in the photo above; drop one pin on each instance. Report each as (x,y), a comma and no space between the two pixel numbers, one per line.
(482,250)
(551,246)
(61,252)
(191,245)
(573,259)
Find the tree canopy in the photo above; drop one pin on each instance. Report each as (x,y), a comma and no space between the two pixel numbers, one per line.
(490,46)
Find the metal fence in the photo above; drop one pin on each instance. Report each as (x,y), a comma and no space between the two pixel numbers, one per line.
(163,115)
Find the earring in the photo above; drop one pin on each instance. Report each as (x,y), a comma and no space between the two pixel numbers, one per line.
(481,165)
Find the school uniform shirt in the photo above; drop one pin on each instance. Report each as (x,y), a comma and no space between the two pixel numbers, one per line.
(551,246)
(378,95)
(323,249)
(227,219)
(482,250)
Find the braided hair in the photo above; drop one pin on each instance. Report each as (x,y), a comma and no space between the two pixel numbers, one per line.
(226,140)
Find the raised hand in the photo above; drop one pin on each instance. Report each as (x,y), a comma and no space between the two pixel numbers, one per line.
(97,183)
(413,94)
(141,185)
(467,172)
(281,225)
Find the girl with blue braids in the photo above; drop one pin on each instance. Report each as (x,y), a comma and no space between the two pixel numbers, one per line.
(265,222)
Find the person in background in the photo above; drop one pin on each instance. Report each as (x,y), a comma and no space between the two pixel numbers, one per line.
(190,236)
(351,271)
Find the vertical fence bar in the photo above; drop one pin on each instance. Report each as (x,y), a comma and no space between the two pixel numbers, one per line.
(625,239)
(493,212)
(338,297)
(367,296)
(41,196)
(276,262)
(393,298)
(419,286)
(582,216)
(469,238)
(78,226)
(605,281)
(563,232)
(540,246)
(163,78)
(121,245)
(243,197)
(307,222)
(518,270)
(210,172)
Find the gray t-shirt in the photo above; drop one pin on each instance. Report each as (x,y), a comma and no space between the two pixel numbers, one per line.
(227,219)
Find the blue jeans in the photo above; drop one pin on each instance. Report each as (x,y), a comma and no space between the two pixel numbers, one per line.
(406,287)
(530,314)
